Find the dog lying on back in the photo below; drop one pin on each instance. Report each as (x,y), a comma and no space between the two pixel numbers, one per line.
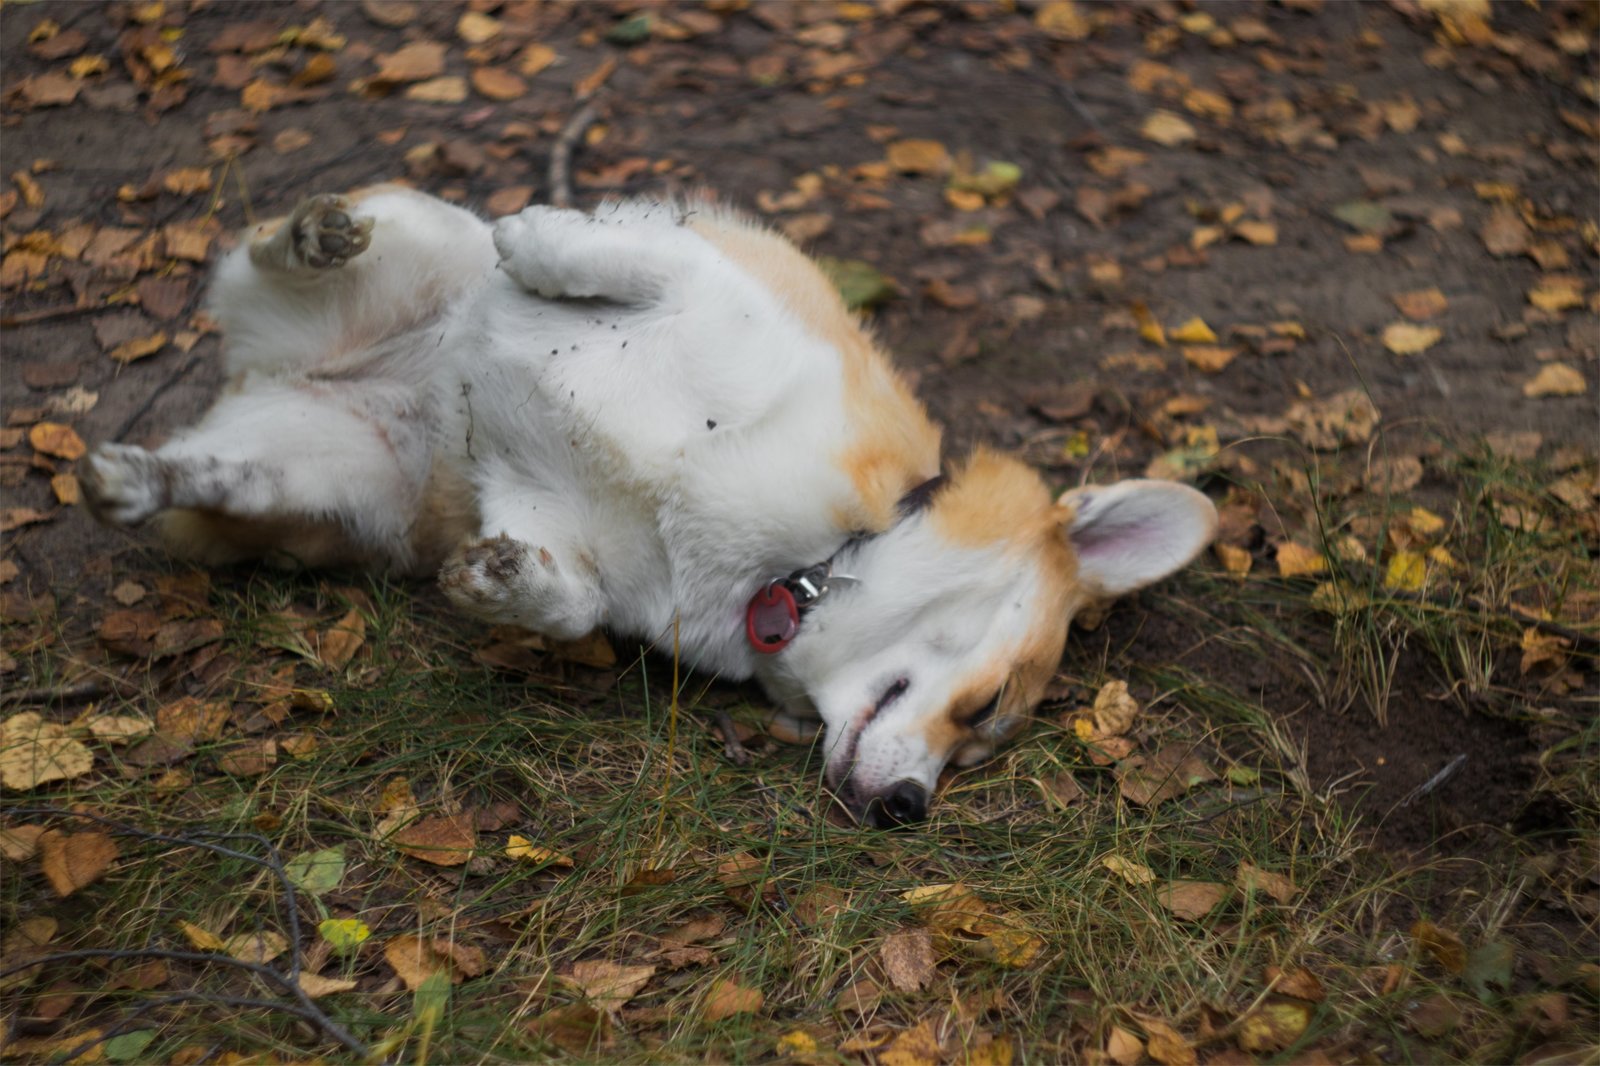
(633,417)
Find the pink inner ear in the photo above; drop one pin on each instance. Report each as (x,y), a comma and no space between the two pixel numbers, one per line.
(1131,534)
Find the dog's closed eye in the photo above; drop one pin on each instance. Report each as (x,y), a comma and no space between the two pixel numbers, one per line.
(892,693)
(986,712)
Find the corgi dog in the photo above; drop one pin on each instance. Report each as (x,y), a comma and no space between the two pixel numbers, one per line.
(645,417)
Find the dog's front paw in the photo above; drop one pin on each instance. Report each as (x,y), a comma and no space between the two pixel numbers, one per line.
(122,484)
(325,234)
(531,247)
(495,578)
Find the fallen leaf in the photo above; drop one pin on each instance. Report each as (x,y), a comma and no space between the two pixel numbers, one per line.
(1445,947)
(53,438)
(450,89)
(339,644)
(416,959)
(1191,900)
(917,1046)
(1236,561)
(608,985)
(1407,571)
(1504,234)
(1260,234)
(316,987)
(1210,358)
(139,347)
(918,157)
(1347,417)
(119,729)
(1368,217)
(1488,970)
(1123,1047)
(1134,873)
(72,860)
(200,938)
(1404,338)
(797,1044)
(535,58)
(344,935)
(498,83)
(1165,1044)
(1393,475)
(1422,304)
(20,843)
(524,850)
(946,908)
(1556,379)
(1167,774)
(34,752)
(259,947)
(1273,1026)
(508,201)
(859,282)
(728,998)
(1296,560)
(907,959)
(317,872)
(474,27)
(1194,331)
(1167,129)
(1298,982)
(417,61)
(1112,714)
(1063,20)
(1251,878)
(443,840)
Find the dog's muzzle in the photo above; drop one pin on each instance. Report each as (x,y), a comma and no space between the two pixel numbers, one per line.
(904,803)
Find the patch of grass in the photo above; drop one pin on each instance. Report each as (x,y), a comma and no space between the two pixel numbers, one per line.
(611,771)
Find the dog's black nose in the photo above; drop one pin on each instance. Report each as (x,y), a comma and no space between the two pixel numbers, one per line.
(903,804)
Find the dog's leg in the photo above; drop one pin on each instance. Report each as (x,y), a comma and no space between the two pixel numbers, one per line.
(507,580)
(353,457)
(630,256)
(321,233)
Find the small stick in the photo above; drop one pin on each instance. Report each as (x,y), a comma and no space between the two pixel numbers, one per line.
(73,693)
(561,154)
(1435,781)
(731,745)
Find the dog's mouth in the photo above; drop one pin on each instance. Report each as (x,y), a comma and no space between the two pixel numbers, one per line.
(843,761)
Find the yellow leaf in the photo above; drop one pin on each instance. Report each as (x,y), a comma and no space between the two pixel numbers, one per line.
(259,948)
(200,939)
(535,58)
(1194,331)
(1260,234)
(1236,561)
(1191,900)
(1123,1047)
(1149,328)
(798,1043)
(1167,129)
(72,860)
(1404,338)
(1114,710)
(1422,304)
(1166,1045)
(344,935)
(524,850)
(1407,571)
(1211,358)
(918,157)
(1424,522)
(917,1046)
(1556,379)
(1273,1026)
(1134,873)
(450,89)
(34,751)
(1557,292)
(55,439)
(1295,560)
(139,347)
(475,27)
(1062,20)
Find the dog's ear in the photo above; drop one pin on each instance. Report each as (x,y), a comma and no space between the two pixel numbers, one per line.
(1131,533)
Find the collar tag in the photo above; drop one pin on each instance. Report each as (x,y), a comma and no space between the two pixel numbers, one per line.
(772,619)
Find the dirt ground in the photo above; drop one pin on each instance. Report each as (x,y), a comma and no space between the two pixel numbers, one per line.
(1335,157)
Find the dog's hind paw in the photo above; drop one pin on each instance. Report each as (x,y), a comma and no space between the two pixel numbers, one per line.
(325,233)
(493,578)
(122,484)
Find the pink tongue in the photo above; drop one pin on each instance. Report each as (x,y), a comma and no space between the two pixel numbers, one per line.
(772,619)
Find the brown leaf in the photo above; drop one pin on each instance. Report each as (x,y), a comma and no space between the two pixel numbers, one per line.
(1253,879)
(17,517)
(917,1046)
(415,959)
(608,985)
(1167,129)
(20,842)
(259,947)
(498,83)
(189,240)
(728,998)
(450,89)
(164,297)
(509,200)
(1298,982)
(1445,947)
(1191,900)
(316,987)
(417,61)
(1422,304)
(443,840)
(1505,233)
(339,644)
(1392,475)
(53,438)
(1123,1047)
(72,860)
(34,752)
(535,58)
(1167,774)
(1165,1044)
(907,958)
(250,759)
(1405,338)
(1347,417)
(918,157)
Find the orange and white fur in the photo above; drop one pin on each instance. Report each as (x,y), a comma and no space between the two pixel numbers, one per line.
(626,418)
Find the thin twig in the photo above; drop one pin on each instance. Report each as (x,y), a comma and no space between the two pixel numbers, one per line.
(75,692)
(45,314)
(561,153)
(284,900)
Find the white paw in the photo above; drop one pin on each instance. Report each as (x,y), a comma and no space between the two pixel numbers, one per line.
(500,579)
(122,484)
(531,246)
